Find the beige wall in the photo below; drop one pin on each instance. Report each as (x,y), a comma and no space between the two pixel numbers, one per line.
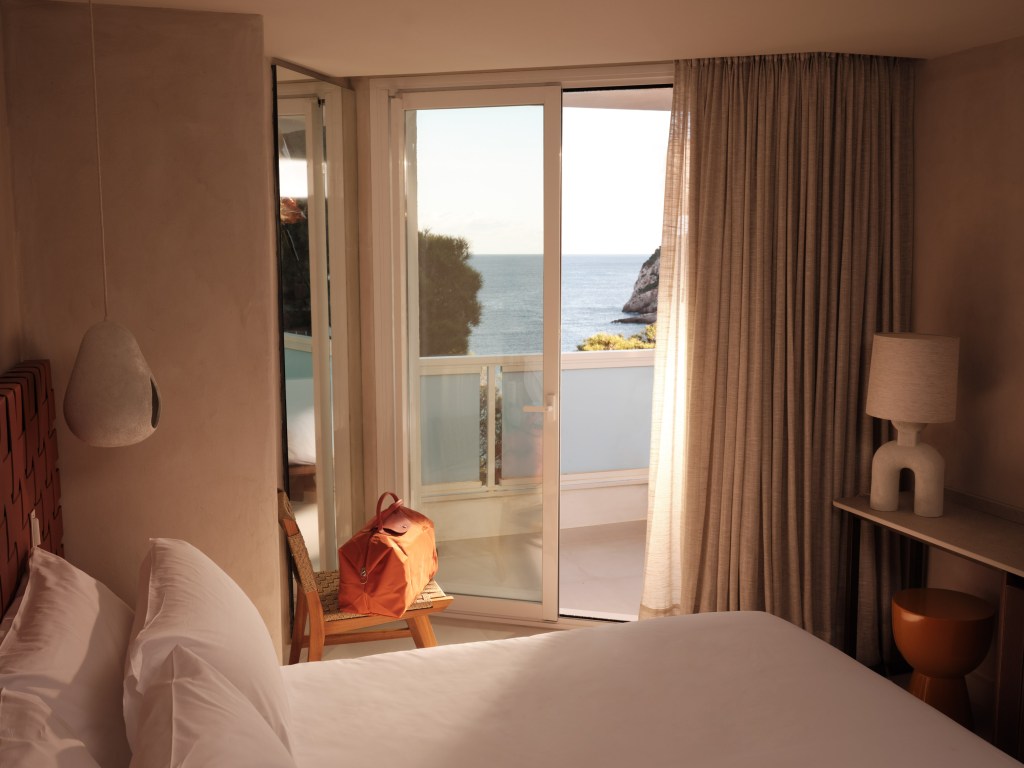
(185,123)
(969,257)
(969,281)
(10,318)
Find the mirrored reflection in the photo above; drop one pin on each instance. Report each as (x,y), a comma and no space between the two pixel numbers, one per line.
(293,233)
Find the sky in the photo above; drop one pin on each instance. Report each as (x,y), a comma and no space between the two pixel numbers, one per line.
(479,176)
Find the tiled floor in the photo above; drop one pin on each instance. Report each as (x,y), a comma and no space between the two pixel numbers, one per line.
(494,566)
(601,570)
(600,567)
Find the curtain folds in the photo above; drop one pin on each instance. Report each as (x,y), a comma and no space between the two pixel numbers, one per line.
(787,244)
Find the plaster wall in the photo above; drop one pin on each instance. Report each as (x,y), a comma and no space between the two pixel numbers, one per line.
(969,257)
(187,177)
(10,316)
(968,279)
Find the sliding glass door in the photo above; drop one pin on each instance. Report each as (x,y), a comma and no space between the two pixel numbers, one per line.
(481,205)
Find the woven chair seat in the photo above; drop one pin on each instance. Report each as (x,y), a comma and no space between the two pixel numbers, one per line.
(327,588)
(317,601)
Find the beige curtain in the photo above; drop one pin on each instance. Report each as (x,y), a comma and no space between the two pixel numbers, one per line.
(787,244)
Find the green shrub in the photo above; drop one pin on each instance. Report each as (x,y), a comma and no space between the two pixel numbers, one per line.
(606,341)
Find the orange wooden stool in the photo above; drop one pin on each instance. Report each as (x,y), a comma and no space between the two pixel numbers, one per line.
(943,635)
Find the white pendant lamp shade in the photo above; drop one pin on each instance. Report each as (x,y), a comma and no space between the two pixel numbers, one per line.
(112,399)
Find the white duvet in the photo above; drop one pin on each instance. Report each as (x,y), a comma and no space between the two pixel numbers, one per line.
(726,689)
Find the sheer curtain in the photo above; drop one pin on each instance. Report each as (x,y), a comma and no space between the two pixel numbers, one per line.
(787,244)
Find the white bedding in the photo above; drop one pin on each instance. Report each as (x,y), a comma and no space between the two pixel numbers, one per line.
(301,420)
(726,689)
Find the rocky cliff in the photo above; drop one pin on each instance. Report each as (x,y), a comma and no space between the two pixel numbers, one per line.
(643,303)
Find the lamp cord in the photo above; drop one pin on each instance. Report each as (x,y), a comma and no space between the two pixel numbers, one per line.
(99,161)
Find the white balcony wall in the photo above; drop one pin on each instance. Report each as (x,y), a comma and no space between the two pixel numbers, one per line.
(299,413)
(298,364)
(483,516)
(605,441)
(606,418)
(450,428)
(580,507)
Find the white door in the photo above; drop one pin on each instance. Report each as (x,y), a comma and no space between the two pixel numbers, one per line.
(481,206)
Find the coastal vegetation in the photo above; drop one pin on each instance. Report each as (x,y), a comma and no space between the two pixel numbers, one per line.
(293,250)
(449,288)
(605,341)
(643,308)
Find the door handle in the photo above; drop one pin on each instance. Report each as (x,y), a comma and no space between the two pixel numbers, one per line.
(548,408)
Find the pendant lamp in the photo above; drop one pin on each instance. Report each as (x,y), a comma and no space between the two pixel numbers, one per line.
(112,399)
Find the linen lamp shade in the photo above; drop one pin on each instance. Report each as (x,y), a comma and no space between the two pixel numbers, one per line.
(912,383)
(913,377)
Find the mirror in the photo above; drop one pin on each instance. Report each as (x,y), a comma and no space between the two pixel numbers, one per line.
(318,280)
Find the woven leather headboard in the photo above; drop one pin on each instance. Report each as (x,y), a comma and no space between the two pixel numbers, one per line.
(29,478)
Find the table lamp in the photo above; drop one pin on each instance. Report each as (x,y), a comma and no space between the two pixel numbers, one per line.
(912,382)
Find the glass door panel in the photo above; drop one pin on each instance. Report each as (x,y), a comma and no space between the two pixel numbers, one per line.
(451,448)
(302,253)
(522,426)
(319,293)
(481,183)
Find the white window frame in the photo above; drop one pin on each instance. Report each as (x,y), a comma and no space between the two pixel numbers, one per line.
(387,266)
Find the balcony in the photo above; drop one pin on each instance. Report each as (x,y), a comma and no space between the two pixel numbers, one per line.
(476,467)
(477,471)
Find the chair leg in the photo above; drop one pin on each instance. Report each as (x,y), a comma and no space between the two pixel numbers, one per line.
(298,630)
(317,630)
(316,640)
(422,632)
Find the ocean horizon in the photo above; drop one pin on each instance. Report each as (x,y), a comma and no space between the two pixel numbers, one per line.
(594,289)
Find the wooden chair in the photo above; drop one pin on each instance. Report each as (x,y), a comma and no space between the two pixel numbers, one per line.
(317,601)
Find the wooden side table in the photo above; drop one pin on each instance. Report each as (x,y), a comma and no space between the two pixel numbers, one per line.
(944,635)
(994,540)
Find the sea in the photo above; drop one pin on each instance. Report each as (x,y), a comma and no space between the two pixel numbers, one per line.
(594,288)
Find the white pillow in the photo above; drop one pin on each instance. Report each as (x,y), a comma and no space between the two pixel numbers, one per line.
(191,715)
(185,599)
(32,735)
(67,646)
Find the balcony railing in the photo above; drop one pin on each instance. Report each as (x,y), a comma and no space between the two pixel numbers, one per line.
(464,403)
(475,437)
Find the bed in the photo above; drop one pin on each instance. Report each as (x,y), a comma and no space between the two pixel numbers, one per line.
(188,675)
(300,420)
(726,689)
